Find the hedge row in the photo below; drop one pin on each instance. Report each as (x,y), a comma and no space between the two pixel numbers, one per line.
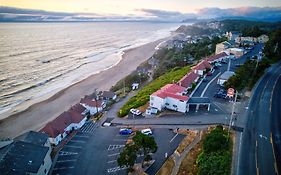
(142,97)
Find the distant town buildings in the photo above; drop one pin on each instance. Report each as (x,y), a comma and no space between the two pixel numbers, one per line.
(220,47)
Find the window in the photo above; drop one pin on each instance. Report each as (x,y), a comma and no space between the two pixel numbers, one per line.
(175,106)
(167,104)
(181,101)
(151,98)
(45,171)
(151,104)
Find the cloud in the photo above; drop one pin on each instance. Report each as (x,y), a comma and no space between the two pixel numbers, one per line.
(253,13)
(163,15)
(256,13)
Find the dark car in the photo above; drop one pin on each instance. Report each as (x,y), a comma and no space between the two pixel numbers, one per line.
(125,131)
(209,74)
(223,62)
(221,94)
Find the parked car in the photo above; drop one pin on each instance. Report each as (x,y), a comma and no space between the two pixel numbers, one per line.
(224,62)
(221,94)
(218,64)
(209,73)
(146,131)
(204,80)
(135,111)
(125,131)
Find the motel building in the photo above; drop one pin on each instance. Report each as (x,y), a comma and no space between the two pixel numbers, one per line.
(171,96)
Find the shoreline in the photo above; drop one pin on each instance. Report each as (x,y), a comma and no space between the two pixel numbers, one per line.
(39,114)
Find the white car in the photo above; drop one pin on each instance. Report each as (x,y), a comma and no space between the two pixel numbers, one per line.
(146,131)
(135,111)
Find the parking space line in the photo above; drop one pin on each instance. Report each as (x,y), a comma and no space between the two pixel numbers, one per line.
(112,161)
(112,147)
(115,169)
(62,153)
(62,168)
(115,154)
(82,136)
(77,141)
(174,137)
(73,146)
(73,160)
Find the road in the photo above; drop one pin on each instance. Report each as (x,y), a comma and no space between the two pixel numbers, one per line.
(261,140)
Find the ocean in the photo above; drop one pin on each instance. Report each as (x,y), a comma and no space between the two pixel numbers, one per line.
(37,59)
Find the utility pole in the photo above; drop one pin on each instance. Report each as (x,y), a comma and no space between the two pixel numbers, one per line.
(232,113)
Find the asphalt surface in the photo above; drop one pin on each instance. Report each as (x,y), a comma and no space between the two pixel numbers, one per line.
(261,140)
(95,150)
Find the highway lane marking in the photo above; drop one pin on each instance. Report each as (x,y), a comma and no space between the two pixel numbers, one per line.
(270,104)
(240,143)
(275,164)
(219,107)
(174,137)
(256,154)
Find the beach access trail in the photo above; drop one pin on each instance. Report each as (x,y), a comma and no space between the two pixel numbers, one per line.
(38,115)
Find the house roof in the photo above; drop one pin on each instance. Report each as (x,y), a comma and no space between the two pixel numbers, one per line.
(36,138)
(217,56)
(108,94)
(188,79)
(226,75)
(90,102)
(78,108)
(172,91)
(57,126)
(21,158)
(202,65)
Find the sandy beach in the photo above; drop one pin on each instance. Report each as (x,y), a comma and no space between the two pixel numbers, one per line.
(38,115)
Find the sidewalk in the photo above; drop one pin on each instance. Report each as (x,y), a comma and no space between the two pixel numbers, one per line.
(178,158)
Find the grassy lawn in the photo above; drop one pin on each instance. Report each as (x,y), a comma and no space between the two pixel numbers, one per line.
(142,97)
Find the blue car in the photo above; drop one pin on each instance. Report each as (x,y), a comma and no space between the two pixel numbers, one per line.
(125,131)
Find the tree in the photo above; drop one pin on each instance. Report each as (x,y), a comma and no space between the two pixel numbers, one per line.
(146,144)
(128,156)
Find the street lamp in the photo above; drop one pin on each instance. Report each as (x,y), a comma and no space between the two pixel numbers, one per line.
(232,112)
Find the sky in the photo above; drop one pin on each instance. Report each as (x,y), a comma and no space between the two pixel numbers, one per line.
(125,7)
(161,10)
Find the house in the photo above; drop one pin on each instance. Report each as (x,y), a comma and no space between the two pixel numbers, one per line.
(263,39)
(238,52)
(108,95)
(171,96)
(217,57)
(201,67)
(188,80)
(224,77)
(247,39)
(220,47)
(93,106)
(68,121)
(232,35)
(27,154)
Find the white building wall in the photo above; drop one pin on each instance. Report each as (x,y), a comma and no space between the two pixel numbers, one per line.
(221,81)
(45,167)
(175,104)
(157,102)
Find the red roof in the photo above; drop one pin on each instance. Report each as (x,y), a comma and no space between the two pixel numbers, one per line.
(172,91)
(215,57)
(57,126)
(202,65)
(188,79)
(91,102)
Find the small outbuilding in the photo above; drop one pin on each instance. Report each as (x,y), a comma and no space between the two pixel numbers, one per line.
(224,77)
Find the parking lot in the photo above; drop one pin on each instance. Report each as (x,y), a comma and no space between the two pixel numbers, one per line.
(97,152)
(69,154)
